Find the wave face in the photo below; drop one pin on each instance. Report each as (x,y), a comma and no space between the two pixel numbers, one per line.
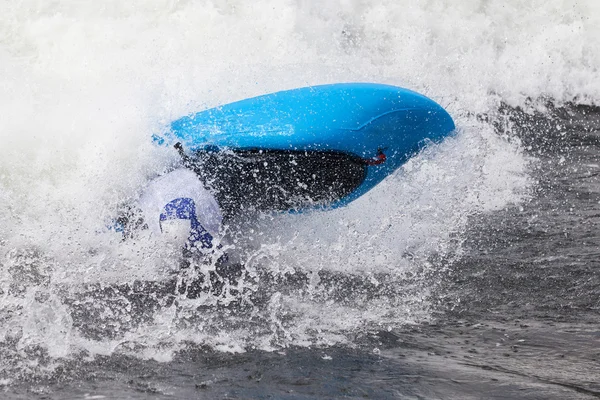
(86,84)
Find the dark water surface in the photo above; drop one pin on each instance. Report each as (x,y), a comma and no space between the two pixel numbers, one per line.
(517,316)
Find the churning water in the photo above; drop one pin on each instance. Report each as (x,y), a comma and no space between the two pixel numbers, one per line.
(471,272)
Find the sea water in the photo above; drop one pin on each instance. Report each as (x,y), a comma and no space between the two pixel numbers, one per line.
(84,86)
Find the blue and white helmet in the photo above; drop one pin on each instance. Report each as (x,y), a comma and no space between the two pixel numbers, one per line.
(178,202)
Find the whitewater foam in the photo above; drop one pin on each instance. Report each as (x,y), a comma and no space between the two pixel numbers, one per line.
(85,85)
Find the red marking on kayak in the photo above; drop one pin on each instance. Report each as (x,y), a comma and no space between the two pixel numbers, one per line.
(378,159)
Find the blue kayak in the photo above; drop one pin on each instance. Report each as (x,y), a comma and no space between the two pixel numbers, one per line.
(319,146)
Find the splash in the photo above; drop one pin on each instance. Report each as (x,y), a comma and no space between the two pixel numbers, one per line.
(85,85)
